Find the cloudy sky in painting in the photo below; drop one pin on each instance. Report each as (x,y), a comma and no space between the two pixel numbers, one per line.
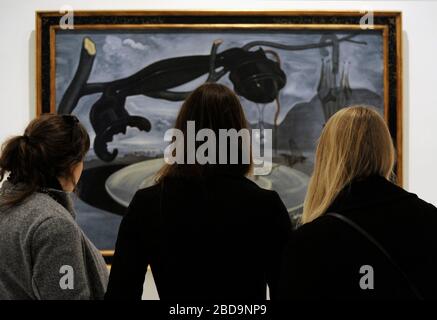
(120,54)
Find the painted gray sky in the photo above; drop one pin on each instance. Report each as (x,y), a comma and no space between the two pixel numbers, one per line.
(122,54)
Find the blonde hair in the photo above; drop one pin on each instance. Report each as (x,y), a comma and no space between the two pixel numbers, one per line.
(355,143)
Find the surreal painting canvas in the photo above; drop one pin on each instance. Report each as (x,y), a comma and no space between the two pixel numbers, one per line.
(126,80)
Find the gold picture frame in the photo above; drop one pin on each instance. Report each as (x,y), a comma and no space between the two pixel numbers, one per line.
(388,23)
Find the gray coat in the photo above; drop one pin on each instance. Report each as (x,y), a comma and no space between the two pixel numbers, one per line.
(41,246)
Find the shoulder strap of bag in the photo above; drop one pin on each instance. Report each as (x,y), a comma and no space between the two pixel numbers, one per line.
(378,245)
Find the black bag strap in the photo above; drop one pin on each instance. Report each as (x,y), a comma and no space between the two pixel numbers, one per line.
(378,245)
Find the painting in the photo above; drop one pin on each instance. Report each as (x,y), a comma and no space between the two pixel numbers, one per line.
(126,74)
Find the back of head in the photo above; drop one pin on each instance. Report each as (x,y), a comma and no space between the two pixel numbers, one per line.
(354,144)
(50,147)
(211,106)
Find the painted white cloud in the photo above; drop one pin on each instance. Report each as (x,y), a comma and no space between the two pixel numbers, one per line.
(135,45)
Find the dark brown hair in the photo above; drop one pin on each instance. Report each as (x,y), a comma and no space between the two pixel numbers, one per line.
(211,106)
(50,147)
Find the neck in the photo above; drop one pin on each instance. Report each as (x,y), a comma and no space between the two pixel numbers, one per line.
(66,185)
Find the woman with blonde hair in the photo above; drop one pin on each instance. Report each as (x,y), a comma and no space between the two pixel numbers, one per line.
(363,237)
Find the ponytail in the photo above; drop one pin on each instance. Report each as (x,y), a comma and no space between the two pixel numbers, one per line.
(48,149)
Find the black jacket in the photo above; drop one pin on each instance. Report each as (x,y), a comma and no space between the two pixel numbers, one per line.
(324,257)
(219,237)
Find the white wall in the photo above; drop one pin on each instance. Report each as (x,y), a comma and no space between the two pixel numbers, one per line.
(17,67)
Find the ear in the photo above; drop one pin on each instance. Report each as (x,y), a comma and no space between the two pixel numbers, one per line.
(76,171)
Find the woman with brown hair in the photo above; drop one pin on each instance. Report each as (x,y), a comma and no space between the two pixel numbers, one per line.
(206,231)
(44,253)
(363,237)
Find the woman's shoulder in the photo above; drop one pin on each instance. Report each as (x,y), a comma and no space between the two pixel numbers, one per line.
(410,204)
(39,207)
(422,210)
(419,202)
(146,195)
(323,227)
(150,191)
(40,216)
(145,199)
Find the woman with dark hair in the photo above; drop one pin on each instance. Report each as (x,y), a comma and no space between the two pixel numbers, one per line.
(44,253)
(206,231)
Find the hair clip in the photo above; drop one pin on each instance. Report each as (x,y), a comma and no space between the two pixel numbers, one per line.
(70,119)
(28,139)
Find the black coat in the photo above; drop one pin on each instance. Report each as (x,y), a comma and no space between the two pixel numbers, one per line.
(219,237)
(324,257)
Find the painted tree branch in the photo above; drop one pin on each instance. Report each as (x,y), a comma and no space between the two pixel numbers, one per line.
(77,87)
